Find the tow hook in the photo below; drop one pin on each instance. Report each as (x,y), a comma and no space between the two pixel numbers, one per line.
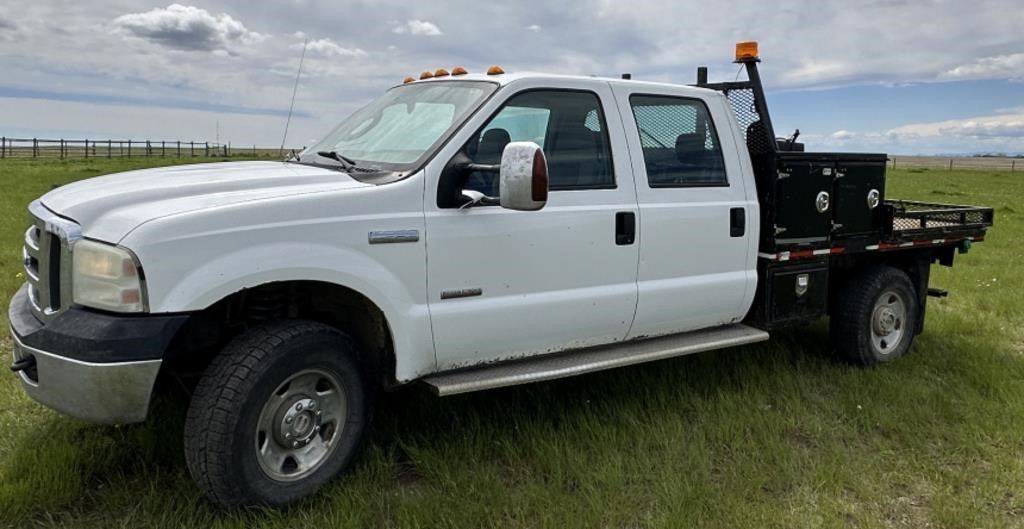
(23,364)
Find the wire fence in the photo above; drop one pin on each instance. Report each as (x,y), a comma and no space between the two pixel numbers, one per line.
(65,148)
(988,163)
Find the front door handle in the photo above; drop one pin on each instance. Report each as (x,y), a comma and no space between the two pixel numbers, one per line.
(737,222)
(625,228)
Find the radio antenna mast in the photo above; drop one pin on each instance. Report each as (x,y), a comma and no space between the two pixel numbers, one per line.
(294,90)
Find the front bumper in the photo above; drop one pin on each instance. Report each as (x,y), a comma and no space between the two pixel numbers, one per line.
(98,367)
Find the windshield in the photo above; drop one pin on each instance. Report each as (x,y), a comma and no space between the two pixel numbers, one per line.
(397,130)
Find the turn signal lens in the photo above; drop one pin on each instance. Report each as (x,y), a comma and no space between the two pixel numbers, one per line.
(746,51)
(426,74)
(495,70)
(458,70)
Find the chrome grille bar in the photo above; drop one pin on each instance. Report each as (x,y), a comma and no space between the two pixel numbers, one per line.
(47,260)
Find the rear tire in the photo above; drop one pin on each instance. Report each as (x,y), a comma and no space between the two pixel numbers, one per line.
(277,414)
(875,316)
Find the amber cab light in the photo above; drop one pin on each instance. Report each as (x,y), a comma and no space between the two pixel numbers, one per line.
(495,70)
(746,51)
(458,70)
(426,74)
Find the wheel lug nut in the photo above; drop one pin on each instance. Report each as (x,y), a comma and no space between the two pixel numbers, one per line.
(295,444)
(318,412)
(287,436)
(298,406)
(312,404)
(287,420)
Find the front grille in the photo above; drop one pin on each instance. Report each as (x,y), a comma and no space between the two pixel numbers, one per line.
(46,257)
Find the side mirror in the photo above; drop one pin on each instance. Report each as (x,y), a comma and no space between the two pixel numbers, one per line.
(523,177)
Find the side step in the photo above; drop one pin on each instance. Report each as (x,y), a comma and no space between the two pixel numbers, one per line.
(571,363)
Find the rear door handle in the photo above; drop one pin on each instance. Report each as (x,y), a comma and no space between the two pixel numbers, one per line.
(737,222)
(625,228)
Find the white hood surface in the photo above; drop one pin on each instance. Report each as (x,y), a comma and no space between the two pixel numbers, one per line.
(109,207)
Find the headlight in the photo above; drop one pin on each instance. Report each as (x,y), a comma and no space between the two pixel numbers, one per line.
(106,277)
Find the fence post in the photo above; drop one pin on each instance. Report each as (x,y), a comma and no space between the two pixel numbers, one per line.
(1013,165)
(192,148)
(950,164)
(163,148)
(129,148)
(108,148)
(86,149)
(179,148)
(254,150)
(35,147)
(207,149)
(3,146)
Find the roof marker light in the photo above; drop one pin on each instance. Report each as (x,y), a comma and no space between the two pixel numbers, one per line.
(495,70)
(426,74)
(441,72)
(408,79)
(458,70)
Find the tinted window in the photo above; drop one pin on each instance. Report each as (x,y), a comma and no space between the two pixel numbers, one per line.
(569,126)
(679,142)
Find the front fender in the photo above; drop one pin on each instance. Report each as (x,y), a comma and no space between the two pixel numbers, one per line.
(183,279)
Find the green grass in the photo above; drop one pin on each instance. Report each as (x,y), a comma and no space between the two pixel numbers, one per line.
(776,435)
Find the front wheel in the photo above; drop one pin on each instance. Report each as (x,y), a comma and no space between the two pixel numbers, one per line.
(279,412)
(875,316)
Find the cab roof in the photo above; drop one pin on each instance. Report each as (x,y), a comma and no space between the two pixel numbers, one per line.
(511,77)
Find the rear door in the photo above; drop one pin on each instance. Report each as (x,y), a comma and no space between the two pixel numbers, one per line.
(698,220)
(506,284)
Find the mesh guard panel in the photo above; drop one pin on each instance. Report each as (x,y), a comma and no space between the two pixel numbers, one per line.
(742,102)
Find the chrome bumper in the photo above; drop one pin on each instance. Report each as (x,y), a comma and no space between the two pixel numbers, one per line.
(108,393)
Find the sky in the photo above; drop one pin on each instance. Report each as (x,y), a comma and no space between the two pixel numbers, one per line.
(896,76)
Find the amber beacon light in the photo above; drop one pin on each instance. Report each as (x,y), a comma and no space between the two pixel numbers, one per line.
(746,51)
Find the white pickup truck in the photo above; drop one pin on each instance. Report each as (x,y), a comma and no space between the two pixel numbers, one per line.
(462,231)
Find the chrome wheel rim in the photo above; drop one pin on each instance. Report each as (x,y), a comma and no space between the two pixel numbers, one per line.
(300,424)
(888,322)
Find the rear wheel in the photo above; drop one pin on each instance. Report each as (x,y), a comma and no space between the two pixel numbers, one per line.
(875,316)
(280,411)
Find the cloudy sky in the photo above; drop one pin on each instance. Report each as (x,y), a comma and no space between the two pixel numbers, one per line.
(899,76)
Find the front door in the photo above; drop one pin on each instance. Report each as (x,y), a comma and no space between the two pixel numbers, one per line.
(505,284)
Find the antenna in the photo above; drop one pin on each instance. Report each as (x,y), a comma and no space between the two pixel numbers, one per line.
(294,90)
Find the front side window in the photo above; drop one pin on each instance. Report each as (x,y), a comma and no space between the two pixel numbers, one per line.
(680,145)
(398,130)
(569,126)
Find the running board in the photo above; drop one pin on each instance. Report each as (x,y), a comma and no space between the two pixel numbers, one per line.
(561,365)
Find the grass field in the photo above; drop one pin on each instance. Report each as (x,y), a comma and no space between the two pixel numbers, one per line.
(774,435)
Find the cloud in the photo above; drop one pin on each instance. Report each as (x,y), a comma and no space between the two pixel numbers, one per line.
(187,28)
(7,24)
(533,27)
(1000,126)
(999,66)
(983,134)
(418,27)
(329,48)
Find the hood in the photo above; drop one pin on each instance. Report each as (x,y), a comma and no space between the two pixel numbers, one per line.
(109,207)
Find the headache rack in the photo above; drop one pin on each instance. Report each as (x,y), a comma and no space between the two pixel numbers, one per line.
(816,202)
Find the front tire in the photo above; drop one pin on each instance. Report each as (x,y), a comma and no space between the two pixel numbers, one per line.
(277,414)
(875,316)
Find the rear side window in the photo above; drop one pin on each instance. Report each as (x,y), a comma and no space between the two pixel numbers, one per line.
(679,141)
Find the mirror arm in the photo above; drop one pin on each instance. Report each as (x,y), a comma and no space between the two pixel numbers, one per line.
(470,167)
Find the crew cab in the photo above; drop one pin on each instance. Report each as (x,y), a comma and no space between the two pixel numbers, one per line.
(463,232)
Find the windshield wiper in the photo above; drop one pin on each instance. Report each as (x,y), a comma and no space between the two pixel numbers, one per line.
(347,162)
